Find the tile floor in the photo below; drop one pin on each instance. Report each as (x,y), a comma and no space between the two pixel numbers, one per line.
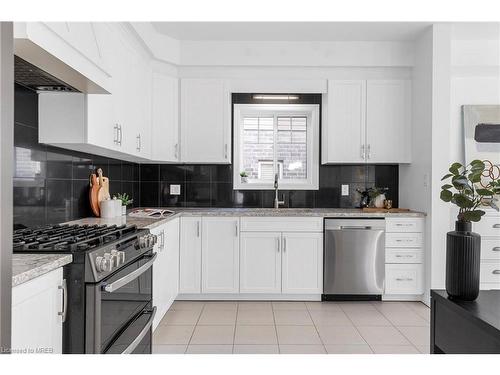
(293,328)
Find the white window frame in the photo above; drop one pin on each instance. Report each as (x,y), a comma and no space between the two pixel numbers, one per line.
(311,111)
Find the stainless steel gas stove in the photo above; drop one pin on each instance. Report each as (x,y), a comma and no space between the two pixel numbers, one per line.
(108,296)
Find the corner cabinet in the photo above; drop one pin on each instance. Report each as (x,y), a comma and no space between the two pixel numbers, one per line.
(367,121)
(205,121)
(37,314)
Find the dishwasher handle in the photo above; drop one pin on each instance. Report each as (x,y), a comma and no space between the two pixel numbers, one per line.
(355,227)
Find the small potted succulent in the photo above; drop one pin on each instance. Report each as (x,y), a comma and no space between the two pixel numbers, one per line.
(244,177)
(126,201)
(469,187)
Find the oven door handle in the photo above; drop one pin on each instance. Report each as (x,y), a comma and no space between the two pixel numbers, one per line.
(115,285)
(141,335)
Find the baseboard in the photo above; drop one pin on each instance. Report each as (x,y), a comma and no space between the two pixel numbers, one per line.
(402,297)
(248,297)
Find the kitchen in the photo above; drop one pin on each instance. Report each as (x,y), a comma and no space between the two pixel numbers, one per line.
(203,188)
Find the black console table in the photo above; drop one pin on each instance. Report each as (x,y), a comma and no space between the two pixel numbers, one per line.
(459,327)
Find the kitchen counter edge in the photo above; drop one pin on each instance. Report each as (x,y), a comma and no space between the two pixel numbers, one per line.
(26,267)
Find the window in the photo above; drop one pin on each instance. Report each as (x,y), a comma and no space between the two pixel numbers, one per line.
(275,139)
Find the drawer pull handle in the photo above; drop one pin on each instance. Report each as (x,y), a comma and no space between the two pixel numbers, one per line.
(496,272)
(496,248)
(404,279)
(496,225)
(404,256)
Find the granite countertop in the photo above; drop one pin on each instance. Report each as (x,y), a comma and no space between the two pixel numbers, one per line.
(280,212)
(26,267)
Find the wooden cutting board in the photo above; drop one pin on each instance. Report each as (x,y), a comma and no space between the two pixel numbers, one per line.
(103,193)
(385,210)
(93,195)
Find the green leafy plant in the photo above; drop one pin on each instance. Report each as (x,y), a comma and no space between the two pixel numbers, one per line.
(124,197)
(374,192)
(468,189)
(243,174)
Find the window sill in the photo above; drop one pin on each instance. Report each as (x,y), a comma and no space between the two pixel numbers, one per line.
(282,186)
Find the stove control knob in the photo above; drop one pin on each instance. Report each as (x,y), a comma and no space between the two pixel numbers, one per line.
(121,257)
(142,242)
(103,264)
(115,258)
(108,262)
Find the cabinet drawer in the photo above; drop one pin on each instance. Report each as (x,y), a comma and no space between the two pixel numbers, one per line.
(403,279)
(403,239)
(394,255)
(490,248)
(490,272)
(404,225)
(488,226)
(281,224)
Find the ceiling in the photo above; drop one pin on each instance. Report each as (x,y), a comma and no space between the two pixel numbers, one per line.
(291,31)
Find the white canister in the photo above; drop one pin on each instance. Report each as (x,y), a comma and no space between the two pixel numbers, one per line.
(118,207)
(108,208)
(379,201)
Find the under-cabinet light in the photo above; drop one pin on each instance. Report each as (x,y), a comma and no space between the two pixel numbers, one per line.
(276,97)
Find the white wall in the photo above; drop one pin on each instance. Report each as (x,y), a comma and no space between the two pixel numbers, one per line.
(414,178)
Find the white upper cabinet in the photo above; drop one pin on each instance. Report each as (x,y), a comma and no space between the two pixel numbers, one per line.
(344,128)
(205,121)
(367,121)
(165,118)
(388,121)
(220,255)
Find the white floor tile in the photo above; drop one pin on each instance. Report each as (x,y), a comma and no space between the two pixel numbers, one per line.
(223,305)
(416,335)
(348,349)
(181,317)
(406,318)
(302,349)
(169,349)
(167,334)
(323,306)
(187,305)
(292,317)
(382,336)
(297,335)
(395,349)
(209,349)
(255,349)
(367,318)
(255,317)
(213,335)
(285,305)
(340,335)
(251,305)
(424,349)
(217,317)
(356,306)
(255,335)
(330,318)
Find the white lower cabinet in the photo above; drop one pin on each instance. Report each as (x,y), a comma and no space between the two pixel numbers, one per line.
(260,262)
(190,255)
(37,308)
(166,268)
(302,263)
(403,279)
(220,255)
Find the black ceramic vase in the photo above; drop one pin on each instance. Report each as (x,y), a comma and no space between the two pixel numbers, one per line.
(463,256)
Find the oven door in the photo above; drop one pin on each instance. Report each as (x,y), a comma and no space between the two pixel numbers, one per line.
(120,312)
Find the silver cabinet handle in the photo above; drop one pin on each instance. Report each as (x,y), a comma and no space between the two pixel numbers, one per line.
(362,152)
(284,244)
(279,244)
(118,134)
(369,150)
(64,312)
(162,240)
(141,334)
(496,272)
(236,229)
(138,142)
(404,279)
(176,152)
(225,151)
(115,285)
(115,132)
(404,256)
(197,229)
(496,248)
(496,225)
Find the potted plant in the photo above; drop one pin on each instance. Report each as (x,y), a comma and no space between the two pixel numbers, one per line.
(377,196)
(470,187)
(126,201)
(244,177)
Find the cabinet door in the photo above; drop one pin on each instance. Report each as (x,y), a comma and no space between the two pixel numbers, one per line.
(36,323)
(160,279)
(220,255)
(205,121)
(190,255)
(260,262)
(344,128)
(388,121)
(165,118)
(404,279)
(172,269)
(302,264)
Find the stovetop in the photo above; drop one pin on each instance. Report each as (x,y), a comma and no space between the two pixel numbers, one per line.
(69,238)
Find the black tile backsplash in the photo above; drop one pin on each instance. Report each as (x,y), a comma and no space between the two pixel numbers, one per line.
(51,185)
(211,186)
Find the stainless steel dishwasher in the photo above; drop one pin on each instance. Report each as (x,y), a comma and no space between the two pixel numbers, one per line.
(354,259)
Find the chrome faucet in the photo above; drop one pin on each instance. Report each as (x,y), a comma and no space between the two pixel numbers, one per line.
(277,202)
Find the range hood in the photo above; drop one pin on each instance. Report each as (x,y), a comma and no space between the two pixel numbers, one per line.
(44,63)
